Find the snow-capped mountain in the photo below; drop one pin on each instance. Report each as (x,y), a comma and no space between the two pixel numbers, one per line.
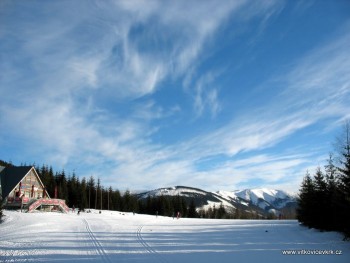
(262,201)
(265,198)
(176,190)
(200,197)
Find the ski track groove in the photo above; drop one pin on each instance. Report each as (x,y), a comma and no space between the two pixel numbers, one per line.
(149,249)
(99,248)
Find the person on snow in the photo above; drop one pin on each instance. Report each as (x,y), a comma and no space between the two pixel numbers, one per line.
(178,215)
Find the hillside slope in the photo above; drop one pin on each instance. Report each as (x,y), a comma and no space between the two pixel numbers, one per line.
(261,201)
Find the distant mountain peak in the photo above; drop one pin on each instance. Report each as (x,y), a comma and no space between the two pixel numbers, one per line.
(262,200)
(264,197)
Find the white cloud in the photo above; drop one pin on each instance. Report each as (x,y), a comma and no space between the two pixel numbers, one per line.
(206,96)
(68,77)
(85,70)
(316,89)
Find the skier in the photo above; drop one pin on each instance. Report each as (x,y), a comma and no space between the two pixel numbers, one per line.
(178,215)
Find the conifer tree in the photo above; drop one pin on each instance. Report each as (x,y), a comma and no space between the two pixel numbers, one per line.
(82,195)
(344,180)
(97,194)
(184,210)
(130,202)
(177,204)
(324,201)
(61,182)
(306,201)
(116,201)
(321,202)
(73,191)
(332,194)
(221,212)
(91,188)
(192,213)
(345,162)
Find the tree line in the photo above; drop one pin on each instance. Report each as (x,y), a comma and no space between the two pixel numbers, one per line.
(90,194)
(324,198)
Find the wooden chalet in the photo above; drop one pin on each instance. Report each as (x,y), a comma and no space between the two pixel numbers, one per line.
(21,188)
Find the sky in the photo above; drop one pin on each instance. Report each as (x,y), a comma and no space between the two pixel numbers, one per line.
(219,95)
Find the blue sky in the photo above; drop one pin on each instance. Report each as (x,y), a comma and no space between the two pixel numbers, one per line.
(220,95)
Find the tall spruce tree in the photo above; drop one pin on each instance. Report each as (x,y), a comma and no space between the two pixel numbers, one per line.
(306,201)
(73,191)
(82,196)
(192,213)
(332,194)
(221,212)
(321,204)
(61,182)
(91,188)
(344,180)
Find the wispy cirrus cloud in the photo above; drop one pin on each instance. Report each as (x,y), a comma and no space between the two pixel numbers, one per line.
(84,91)
(316,88)
(67,67)
(206,96)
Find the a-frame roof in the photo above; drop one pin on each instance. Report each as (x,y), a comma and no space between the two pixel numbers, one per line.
(11,176)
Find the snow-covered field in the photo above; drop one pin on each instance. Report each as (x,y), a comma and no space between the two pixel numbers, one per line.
(124,237)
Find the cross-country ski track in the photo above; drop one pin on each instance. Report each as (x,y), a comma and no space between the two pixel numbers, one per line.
(125,237)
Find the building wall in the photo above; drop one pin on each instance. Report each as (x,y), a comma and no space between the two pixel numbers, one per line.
(27,186)
(30,188)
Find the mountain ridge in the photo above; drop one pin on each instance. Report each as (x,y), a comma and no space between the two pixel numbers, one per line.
(262,201)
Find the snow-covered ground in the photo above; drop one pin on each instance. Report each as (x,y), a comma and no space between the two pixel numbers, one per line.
(124,237)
